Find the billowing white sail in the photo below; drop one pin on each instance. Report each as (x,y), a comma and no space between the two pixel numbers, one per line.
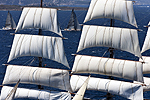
(56,78)
(124,89)
(146,44)
(118,38)
(113,9)
(80,94)
(38,46)
(40,18)
(109,66)
(35,94)
(146,64)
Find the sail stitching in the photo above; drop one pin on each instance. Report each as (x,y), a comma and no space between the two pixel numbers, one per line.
(77,83)
(132,42)
(112,36)
(96,35)
(39,93)
(105,65)
(86,36)
(98,84)
(78,61)
(41,17)
(30,45)
(107,89)
(29,75)
(123,68)
(127,11)
(99,64)
(93,9)
(120,46)
(105,9)
(21,44)
(114,9)
(17,43)
(34,17)
(112,66)
(24,19)
(51,19)
(104,36)
(10,71)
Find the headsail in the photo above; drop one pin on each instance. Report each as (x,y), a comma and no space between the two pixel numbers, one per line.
(113,9)
(39,46)
(108,66)
(35,94)
(124,89)
(40,18)
(73,22)
(10,23)
(56,78)
(146,44)
(118,38)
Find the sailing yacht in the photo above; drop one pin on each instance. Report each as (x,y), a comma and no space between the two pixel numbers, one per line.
(73,24)
(40,46)
(124,39)
(10,23)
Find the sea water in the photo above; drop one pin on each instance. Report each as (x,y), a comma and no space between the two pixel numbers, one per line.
(142,14)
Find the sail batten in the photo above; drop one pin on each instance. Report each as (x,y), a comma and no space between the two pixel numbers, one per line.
(39,18)
(35,94)
(113,9)
(38,46)
(121,88)
(118,38)
(41,76)
(108,66)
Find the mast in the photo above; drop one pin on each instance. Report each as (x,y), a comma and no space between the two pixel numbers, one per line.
(40,58)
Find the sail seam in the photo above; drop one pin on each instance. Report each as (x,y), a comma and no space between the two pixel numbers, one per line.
(63,80)
(86,36)
(25,18)
(77,83)
(58,51)
(17,43)
(96,35)
(98,84)
(119,87)
(21,44)
(105,9)
(93,9)
(89,64)
(41,17)
(52,47)
(78,62)
(43,46)
(112,66)
(123,68)
(136,72)
(114,9)
(104,36)
(132,42)
(30,45)
(99,64)
(50,77)
(120,46)
(51,19)
(34,17)
(112,36)
(127,11)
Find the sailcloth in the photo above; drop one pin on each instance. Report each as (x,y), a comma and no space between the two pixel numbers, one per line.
(40,18)
(124,89)
(118,38)
(10,23)
(80,94)
(113,9)
(38,46)
(109,66)
(35,94)
(146,64)
(56,78)
(146,45)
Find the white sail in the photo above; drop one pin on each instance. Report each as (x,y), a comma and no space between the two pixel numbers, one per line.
(146,64)
(80,94)
(124,89)
(56,78)
(146,44)
(146,85)
(113,9)
(109,66)
(12,93)
(118,38)
(39,46)
(35,94)
(40,18)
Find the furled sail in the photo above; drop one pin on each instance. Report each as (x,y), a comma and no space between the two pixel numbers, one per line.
(109,66)
(146,64)
(40,18)
(124,89)
(10,23)
(80,94)
(73,22)
(113,9)
(56,78)
(38,46)
(36,94)
(146,44)
(118,38)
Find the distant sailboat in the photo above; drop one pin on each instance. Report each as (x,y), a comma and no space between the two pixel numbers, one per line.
(73,24)
(10,23)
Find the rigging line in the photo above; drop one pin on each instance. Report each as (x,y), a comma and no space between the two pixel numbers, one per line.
(144,17)
(29,60)
(4,57)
